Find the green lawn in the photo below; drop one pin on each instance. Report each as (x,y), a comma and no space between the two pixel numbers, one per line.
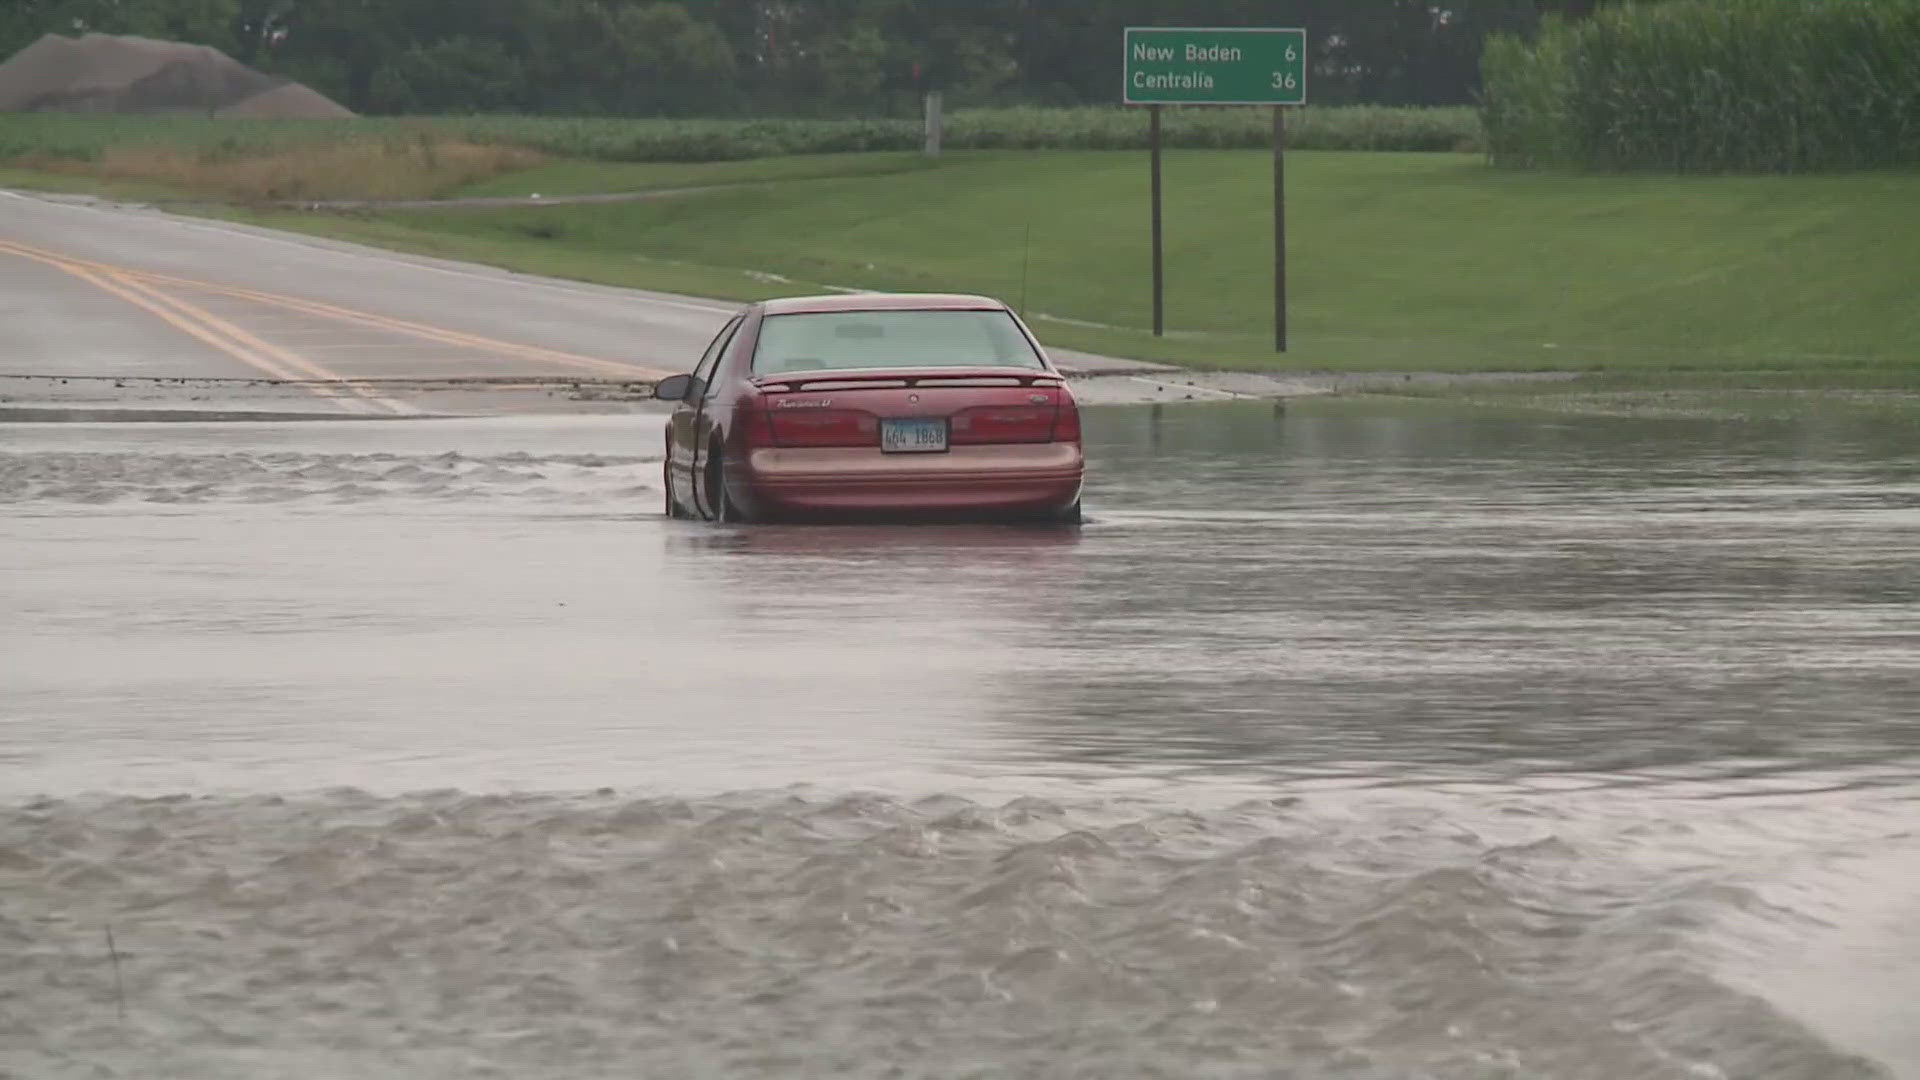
(575,177)
(1398,261)
(67,183)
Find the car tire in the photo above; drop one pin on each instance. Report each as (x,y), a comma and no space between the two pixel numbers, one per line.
(725,510)
(673,506)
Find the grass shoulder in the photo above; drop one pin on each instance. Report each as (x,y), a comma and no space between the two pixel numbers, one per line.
(70,183)
(582,177)
(450,172)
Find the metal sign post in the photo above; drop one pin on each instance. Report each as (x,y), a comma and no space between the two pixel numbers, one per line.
(1159,280)
(1279,229)
(1219,66)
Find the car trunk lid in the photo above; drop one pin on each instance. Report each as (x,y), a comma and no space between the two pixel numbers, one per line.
(918,409)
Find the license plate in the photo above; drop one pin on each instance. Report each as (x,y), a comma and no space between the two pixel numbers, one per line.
(918,435)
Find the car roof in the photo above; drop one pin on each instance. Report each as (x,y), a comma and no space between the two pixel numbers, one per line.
(879,301)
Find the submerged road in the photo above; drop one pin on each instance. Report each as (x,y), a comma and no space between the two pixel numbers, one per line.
(98,291)
(1389,744)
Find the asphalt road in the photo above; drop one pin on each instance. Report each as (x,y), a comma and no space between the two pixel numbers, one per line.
(120,302)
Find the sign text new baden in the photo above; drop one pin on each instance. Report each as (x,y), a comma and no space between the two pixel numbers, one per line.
(1227,66)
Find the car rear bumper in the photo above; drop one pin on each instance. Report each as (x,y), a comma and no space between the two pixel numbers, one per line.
(1024,478)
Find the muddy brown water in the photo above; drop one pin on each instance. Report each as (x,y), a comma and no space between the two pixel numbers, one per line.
(1342,742)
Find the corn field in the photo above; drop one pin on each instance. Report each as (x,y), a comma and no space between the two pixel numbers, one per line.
(1711,86)
(31,136)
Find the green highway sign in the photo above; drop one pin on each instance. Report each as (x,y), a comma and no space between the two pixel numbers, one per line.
(1215,66)
(1222,65)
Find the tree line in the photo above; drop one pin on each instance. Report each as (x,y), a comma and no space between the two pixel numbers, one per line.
(1711,86)
(781,57)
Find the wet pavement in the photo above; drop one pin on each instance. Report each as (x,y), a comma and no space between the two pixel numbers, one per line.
(1353,740)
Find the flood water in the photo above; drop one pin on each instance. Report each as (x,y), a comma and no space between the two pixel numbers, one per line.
(1342,741)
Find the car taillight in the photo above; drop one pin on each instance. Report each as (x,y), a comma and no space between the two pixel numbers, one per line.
(1066,422)
(824,427)
(1002,424)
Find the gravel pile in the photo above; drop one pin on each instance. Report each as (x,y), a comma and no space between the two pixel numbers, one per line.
(104,73)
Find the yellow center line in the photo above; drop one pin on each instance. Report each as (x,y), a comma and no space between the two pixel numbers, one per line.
(261,347)
(199,331)
(433,333)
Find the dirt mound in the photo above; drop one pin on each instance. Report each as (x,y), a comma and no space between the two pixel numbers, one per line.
(105,73)
(286,99)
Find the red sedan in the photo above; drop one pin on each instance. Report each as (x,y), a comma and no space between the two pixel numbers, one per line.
(873,403)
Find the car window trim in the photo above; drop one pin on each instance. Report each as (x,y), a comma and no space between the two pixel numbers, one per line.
(703,371)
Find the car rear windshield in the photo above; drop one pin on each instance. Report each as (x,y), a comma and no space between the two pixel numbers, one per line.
(823,340)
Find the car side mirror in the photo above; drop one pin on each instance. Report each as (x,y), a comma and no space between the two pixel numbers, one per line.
(673,388)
